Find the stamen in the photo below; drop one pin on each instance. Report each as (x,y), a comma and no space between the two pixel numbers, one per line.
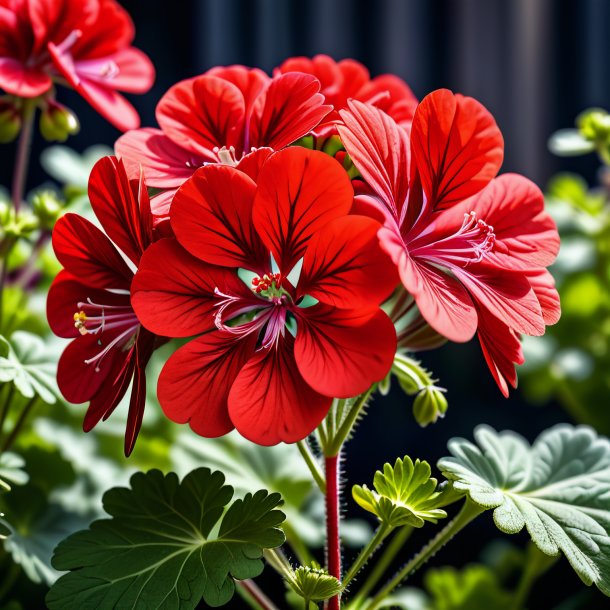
(269,285)
(69,41)
(226,156)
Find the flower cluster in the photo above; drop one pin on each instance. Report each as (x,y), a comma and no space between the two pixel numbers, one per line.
(290,266)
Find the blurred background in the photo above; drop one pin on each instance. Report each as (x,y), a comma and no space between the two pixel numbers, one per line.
(535,64)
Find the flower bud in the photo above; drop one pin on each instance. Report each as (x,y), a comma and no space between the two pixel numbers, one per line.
(10,120)
(47,208)
(57,122)
(594,125)
(429,405)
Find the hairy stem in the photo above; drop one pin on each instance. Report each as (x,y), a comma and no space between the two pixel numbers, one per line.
(381,565)
(366,553)
(469,511)
(335,442)
(333,539)
(8,443)
(254,592)
(23,153)
(312,464)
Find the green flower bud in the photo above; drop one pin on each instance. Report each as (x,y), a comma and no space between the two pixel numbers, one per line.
(10,119)
(429,405)
(47,208)
(57,122)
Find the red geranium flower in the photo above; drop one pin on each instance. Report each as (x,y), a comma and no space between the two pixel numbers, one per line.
(219,117)
(276,351)
(470,249)
(90,299)
(349,79)
(84,42)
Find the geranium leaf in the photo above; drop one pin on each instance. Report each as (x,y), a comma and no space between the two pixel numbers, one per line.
(558,488)
(404,494)
(11,471)
(30,366)
(167,545)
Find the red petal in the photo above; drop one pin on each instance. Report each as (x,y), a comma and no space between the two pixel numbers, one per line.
(165,164)
(212,218)
(543,285)
(201,114)
(399,102)
(65,294)
(441,299)
(456,146)
(270,402)
(195,382)
(116,202)
(299,191)
(344,265)
(506,295)
(501,349)
(79,381)
(289,109)
(173,292)
(88,254)
(250,81)
(252,163)
(341,353)
(19,80)
(379,149)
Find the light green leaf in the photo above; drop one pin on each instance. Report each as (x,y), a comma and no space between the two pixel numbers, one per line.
(11,471)
(407,598)
(5,347)
(473,588)
(69,167)
(30,366)
(314,584)
(405,494)
(558,488)
(570,143)
(167,545)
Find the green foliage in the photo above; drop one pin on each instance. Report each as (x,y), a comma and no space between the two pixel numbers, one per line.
(167,544)
(11,471)
(405,494)
(474,587)
(559,489)
(314,584)
(30,367)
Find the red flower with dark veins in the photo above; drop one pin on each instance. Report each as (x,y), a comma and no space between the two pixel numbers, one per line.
(279,342)
(220,117)
(86,43)
(90,302)
(470,249)
(349,79)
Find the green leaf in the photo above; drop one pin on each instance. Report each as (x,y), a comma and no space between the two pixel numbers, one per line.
(69,167)
(558,488)
(5,347)
(570,143)
(11,471)
(407,598)
(30,367)
(314,584)
(5,529)
(405,494)
(167,545)
(475,587)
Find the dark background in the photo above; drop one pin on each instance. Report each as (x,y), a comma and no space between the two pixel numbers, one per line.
(534,63)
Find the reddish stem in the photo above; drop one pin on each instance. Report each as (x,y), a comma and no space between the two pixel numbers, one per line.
(333,540)
(23,153)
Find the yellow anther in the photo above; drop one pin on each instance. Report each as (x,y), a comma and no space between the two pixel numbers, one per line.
(79,322)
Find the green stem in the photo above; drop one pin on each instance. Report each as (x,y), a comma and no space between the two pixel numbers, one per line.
(254,594)
(10,578)
(469,512)
(6,404)
(8,443)
(277,560)
(537,563)
(382,564)
(299,548)
(23,153)
(380,535)
(334,444)
(312,464)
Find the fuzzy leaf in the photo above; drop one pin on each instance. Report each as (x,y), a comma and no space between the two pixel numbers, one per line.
(29,366)
(558,488)
(11,471)
(405,494)
(167,545)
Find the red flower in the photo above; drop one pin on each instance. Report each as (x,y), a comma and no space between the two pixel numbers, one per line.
(219,117)
(349,79)
(471,249)
(89,300)
(84,42)
(276,351)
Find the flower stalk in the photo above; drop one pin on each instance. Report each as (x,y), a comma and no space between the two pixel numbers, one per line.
(333,539)
(23,153)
